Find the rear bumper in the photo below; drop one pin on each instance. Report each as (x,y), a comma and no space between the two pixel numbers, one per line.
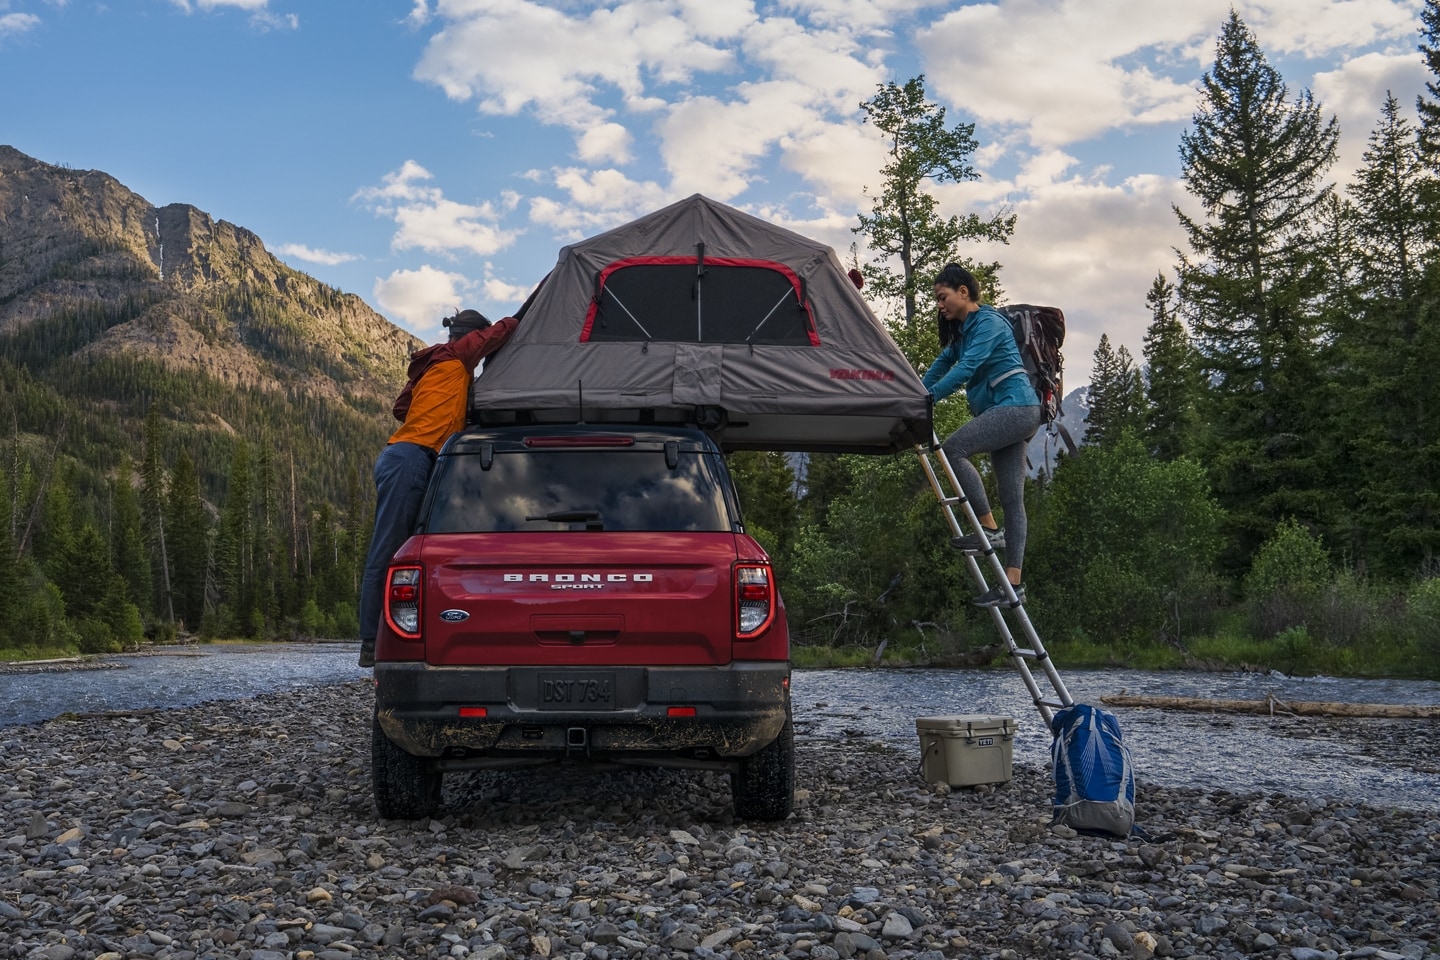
(738,709)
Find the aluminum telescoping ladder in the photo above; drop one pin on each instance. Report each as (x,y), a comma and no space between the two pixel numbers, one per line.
(1033,651)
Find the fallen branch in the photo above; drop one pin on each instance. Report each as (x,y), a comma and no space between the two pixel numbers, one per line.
(1272,705)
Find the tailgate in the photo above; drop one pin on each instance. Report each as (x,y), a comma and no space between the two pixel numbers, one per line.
(576,599)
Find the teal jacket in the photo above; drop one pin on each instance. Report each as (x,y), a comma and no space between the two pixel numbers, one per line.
(986,360)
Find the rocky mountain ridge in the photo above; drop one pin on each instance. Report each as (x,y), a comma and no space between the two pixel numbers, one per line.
(185,290)
(112,307)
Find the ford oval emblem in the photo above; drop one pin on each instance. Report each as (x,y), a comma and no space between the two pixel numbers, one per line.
(454,616)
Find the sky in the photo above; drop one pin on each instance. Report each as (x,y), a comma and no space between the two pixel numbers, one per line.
(428,155)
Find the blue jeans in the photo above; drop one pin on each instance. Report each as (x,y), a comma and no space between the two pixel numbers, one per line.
(402,472)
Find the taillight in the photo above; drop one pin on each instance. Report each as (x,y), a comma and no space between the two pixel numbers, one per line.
(754,599)
(402,602)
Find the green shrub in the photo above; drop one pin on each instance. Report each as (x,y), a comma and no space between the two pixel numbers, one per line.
(1423,614)
(312,621)
(345,622)
(94,636)
(1292,559)
(1117,539)
(1349,611)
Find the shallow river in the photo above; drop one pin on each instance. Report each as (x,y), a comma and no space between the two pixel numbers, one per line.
(1239,752)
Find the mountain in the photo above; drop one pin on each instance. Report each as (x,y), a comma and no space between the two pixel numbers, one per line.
(109,305)
(1045,447)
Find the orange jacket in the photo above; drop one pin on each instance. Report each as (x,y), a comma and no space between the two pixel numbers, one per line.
(432,405)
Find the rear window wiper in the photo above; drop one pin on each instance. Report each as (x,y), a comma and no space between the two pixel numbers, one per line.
(591,518)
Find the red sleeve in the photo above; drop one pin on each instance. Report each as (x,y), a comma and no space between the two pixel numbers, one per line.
(479,344)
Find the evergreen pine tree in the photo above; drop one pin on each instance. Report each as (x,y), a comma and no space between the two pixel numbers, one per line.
(269,569)
(1172,386)
(1427,105)
(235,547)
(188,538)
(127,541)
(766,484)
(88,574)
(1252,287)
(1106,395)
(1390,351)
(153,497)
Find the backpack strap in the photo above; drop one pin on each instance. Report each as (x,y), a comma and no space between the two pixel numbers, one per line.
(1005,376)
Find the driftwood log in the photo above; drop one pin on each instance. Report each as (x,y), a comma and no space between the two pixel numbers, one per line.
(1273,705)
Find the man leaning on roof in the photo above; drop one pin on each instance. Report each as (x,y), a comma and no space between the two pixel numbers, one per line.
(430,408)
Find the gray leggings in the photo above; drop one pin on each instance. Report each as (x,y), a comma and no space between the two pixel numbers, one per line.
(1002,432)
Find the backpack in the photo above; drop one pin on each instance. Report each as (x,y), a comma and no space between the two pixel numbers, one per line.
(1094,782)
(1039,332)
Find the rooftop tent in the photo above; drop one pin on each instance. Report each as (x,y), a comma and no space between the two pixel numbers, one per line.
(701,313)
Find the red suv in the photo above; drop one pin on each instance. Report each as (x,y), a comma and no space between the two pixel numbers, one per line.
(582,593)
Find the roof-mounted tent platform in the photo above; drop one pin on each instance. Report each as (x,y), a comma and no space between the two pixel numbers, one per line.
(700,307)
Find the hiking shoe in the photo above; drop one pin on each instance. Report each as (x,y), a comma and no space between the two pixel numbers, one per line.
(995,596)
(367,652)
(975,543)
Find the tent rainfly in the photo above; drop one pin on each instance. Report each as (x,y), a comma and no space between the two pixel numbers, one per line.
(699,313)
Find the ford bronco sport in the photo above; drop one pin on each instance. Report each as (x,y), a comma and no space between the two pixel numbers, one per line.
(582,593)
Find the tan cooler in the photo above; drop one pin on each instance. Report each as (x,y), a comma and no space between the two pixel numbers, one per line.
(966,750)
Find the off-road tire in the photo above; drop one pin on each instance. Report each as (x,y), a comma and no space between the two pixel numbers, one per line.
(406,787)
(764,786)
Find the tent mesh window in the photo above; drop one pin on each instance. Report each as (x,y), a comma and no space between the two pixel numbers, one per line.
(689,300)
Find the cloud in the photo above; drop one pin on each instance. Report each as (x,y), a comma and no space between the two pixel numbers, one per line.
(1066,72)
(313,255)
(1355,94)
(503,291)
(251,5)
(606,143)
(523,55)
(261,16)
(14,24)
(610,74)
(426,220)
(420,298)
(1092,249)
(1319,29)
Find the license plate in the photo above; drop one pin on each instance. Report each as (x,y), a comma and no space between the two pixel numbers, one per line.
(577,691)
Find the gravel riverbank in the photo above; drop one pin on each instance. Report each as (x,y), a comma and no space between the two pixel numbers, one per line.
(244,829)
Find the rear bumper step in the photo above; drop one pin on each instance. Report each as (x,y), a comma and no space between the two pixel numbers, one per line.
(738,709)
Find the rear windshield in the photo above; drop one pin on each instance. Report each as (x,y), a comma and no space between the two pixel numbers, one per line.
(543,491)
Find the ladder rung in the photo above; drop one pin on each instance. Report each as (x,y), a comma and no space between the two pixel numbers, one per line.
(1052,704)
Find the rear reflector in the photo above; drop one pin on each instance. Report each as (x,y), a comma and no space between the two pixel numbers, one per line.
(474,712)
(680,712)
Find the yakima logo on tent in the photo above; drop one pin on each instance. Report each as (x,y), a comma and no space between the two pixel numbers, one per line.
(853,373)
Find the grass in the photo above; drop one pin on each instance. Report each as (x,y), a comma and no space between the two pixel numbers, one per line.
(1292,652)
(22,654)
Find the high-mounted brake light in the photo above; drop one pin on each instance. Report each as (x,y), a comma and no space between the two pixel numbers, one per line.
(610,441)
(754,599)
(402,601)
